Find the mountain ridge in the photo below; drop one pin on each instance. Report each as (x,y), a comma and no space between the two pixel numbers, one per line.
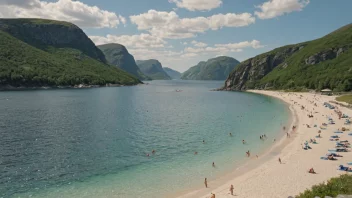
(118,55)
(48,53)
(213,69)
(153,69)
(321,63)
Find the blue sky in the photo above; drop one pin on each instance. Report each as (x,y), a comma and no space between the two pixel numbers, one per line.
(160,29)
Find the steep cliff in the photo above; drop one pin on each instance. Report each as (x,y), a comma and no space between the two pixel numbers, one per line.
(37,52)
(172,73)
(153,69)
(214,69)
(42,33)
(317,64)
(117,55)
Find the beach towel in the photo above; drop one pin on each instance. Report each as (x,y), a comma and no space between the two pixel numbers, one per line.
(338,132)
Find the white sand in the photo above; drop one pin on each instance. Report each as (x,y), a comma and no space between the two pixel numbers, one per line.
(272,179)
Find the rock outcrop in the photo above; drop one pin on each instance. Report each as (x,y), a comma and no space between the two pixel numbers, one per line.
(250,71)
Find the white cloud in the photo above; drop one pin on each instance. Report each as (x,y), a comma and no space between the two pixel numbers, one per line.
(224,48)
(197,4)
(76,12)
(131,41)
(254,44)
(170,25)
(187,55)
(274,8)
(199,44)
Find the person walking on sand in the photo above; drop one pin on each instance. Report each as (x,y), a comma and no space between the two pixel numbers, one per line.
(212,195)
(280,160)
(231,189)
(206,183)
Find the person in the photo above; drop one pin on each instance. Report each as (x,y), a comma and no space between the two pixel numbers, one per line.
(213,165)
(311,170)
(147,154)
(231,189)
(274,140)
(153,151)
(230,134)
(212,195)
(203,141)
(256,156)
(206,183)
(243,142)
(280,160)
(196,153)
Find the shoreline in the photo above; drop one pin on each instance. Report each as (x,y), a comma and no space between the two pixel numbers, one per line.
(81,86)
(290,178)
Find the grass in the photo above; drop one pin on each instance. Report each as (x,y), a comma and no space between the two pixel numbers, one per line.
(335,186)
(345,98)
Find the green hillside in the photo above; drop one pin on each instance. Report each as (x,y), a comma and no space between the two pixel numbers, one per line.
(214,69)
(172,73)
(117,55)
(37,52)
(317,64)
(153,69)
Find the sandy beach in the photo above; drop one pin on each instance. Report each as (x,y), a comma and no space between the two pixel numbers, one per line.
(269,178)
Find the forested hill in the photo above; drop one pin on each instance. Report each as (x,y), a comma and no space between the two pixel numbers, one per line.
(153,69)
(117,55)
(213,69)
(318,64)
(38,52)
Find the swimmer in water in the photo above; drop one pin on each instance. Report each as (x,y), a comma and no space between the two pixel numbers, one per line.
(147,154)
(243,142)
(213,164)
(203,141)
(153,151)
(196,153)
(230,134)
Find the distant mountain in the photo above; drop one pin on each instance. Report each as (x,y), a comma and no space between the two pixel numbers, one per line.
(117,55)
(39,52)
(172,73)
(153,69)
(318,64)
(214,69)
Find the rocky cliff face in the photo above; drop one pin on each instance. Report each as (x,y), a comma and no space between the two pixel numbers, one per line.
(326,55)
(47,33)
(153,69)
(250,71)
(117,55)
(322,63)
(213,69)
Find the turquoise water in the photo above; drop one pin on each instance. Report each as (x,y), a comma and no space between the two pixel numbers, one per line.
(94,142)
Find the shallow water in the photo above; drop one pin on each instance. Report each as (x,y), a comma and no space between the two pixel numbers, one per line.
(93,142)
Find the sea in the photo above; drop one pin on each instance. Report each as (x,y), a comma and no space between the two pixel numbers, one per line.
(98,143)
